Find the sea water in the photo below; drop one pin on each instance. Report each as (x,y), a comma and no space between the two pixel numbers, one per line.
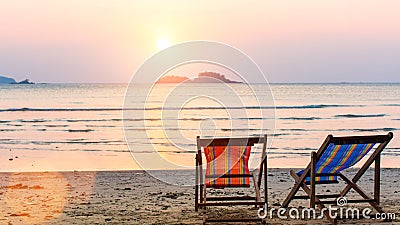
(81,126)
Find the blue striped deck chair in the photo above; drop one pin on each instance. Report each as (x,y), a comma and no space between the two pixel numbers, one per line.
(326,165)
(227,166)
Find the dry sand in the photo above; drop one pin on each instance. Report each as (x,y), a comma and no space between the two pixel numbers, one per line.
(134,197)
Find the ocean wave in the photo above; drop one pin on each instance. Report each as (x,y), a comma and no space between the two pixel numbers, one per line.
(139,120)
(80,130)
(101,126)
(67,142)
(159,119)
(176,108)
(316,106)
(294,129)
(243,129)
(277,135)
(390,105)
(33,121)
(57,109)
(82,142)
(11,130)
(390,154)
(300,118)
(273,154)
(386,129)
(70,150)
(393,151)
(56,125)
(359,115)
(92,120)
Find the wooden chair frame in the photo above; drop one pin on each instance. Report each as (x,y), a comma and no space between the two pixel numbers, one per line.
(201,199)
(351,183)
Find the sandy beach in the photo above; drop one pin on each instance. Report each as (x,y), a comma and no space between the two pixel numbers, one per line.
(134,197)
(107,109)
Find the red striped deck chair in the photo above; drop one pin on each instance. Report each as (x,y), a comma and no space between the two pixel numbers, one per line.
(228,167)
(334,156)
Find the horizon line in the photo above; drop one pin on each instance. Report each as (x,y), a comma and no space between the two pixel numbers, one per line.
(339,82)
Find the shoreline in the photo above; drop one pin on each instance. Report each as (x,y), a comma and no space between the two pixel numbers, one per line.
(154,170)
(135,197)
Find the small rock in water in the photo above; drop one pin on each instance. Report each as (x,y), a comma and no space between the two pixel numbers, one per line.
(37,187)
(11,159)
(19,214)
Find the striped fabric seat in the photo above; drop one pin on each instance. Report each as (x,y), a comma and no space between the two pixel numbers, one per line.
(227,160)
(337,158)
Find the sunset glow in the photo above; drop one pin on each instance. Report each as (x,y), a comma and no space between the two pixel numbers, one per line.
(150,112)
(105,41)
(163,43)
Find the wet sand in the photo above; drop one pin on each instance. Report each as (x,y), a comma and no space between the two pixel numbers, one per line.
(134,197)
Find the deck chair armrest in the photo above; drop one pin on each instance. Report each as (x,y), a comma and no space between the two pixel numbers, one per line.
(263,164)
(255,171)
(227,175)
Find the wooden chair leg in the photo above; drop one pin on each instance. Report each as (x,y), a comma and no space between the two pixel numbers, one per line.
(256,190)
(265,185)
(313,179)
(263,163)
(196,193)
(196,196)
(377,183)
(201,192)
(204,205)
(308,192)
(201,179)
(362,193)
(293,192)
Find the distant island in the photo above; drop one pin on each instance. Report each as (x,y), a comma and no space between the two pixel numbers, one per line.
(8,80)
(205,77)
(172,79)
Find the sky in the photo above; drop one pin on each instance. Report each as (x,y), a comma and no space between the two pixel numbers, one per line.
(106,41)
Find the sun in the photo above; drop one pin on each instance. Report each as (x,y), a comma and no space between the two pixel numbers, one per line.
(163,43)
